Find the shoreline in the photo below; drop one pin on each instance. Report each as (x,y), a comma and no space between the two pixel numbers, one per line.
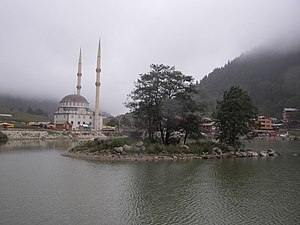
(170,157)
(135,157)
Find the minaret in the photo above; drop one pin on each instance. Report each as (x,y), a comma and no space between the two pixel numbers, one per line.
(79,74)
(97,122)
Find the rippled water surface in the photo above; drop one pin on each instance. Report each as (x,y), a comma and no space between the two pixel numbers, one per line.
(39,186)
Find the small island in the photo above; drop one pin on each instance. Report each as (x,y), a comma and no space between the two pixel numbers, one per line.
(124,149)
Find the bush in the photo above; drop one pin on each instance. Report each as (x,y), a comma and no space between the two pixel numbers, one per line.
(154,148)
(199,148)
(109,144)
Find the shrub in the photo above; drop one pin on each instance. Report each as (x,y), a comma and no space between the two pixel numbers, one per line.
(93,146)
(154,148)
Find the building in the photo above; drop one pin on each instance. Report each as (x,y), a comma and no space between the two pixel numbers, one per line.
(73,112)
(288,114)
(265,123)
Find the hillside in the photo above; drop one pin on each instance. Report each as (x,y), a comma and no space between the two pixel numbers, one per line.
(10,104)
(272,78)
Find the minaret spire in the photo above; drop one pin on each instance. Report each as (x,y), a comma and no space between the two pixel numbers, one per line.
(97,122)
(79,74)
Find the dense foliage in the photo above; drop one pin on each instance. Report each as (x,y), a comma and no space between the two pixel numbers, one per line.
(234,116)
(3,138)
(272,78)
(162,99)
(109,144)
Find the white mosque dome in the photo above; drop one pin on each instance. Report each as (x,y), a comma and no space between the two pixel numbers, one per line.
(74,98)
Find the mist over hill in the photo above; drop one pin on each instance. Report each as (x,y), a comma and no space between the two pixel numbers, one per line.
(270,75)
(12,105)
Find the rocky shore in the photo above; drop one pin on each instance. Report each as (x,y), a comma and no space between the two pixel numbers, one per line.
(217,153)
(138,153)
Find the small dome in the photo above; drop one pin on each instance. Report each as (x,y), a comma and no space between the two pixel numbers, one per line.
(74,98)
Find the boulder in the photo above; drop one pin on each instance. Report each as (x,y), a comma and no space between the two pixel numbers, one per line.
(238,154)
(271,152)
(252,154)
(118,149)
(243,154)
(139,144)
(127,147)
(263,154)
(207,156)
(217,151)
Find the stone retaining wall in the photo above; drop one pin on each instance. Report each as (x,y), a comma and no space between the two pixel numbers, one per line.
(48,134)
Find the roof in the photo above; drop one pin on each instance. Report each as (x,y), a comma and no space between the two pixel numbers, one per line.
(290,109)
(74,98)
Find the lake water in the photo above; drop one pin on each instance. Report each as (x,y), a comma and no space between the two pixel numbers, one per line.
(39,186)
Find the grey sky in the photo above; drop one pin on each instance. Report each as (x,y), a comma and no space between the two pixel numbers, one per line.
(40,41)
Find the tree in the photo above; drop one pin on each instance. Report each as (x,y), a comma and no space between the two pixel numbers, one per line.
(158,97)
(191,124)
(235,116)
(113,122)
(29,110)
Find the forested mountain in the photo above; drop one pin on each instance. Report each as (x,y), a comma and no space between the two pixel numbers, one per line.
(10,104)
(272,78)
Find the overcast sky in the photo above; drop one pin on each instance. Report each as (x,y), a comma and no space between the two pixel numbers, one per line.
(40,41)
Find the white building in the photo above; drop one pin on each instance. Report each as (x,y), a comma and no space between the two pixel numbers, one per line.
(74,108)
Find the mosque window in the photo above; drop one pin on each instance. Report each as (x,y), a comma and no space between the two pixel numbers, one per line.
(71,122)
(78,122)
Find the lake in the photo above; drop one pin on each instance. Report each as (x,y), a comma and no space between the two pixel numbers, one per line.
(39,186)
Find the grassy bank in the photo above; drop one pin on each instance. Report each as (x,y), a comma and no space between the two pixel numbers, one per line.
(295,133)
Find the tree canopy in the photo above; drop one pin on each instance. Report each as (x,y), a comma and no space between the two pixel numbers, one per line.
(161,99)
(234,116)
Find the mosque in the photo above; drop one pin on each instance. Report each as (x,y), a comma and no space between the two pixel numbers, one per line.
(73,112)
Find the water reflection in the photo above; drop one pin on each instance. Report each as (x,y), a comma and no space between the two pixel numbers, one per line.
(39,144)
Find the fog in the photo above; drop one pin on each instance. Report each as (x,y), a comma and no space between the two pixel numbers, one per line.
(40,41)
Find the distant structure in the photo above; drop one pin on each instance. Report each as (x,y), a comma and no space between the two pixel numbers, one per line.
(97,119)
(288,113)
(73,112)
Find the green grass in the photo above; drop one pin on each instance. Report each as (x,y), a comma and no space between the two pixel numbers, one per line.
(195,148)
(295,133)
(23,117)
